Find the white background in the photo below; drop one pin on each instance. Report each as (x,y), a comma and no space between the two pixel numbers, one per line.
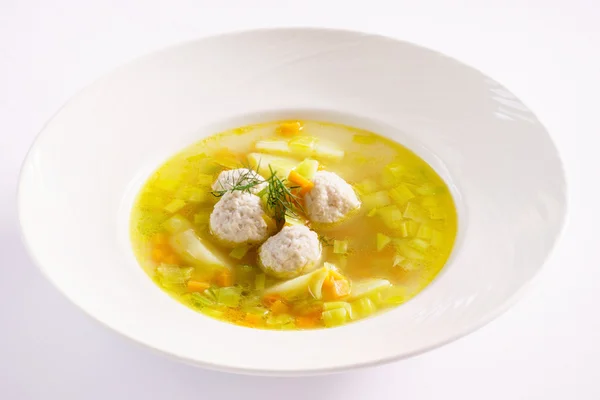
(546,51)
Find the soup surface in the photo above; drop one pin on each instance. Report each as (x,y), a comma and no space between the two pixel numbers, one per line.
(293,225)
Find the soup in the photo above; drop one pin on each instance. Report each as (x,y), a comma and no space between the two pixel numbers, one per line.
(293,225)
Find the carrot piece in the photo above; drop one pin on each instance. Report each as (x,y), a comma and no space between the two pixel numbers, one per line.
(160,239)
(253,319)
(305,184)
(268,300)
(171,259)
(279,307)
(307,321)
(224,279)
(328,282)
(158,254)
(197,286)
(290,128)
(338,289)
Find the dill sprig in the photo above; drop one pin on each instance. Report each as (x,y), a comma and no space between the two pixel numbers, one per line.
(243,183)
(280,199)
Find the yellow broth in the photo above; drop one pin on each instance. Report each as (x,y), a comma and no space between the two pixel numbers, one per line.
(403,232)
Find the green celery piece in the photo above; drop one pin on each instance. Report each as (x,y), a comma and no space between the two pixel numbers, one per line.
(333,305)
(229,296)
(308,168)
(419,244)
(211,312)
(279,320)
(340,246)
(376,200)
(391,216)
(367,186)
(172,277)
(175,205)
(239,252)
(275,146)
(382,241)
(363,307)
(401,194)
(202,217)
(335,317)
(367,287)
(202,300)
(425,232)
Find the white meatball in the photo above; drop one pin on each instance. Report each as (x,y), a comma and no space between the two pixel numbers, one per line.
(238,219)
(241,176)
(294,251)
(331,199)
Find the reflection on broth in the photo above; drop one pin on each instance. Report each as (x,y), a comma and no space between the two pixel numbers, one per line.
(293,225)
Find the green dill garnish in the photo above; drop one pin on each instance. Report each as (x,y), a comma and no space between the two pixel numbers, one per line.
(281,201)
(278,197)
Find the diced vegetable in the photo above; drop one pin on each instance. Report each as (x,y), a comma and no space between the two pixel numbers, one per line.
(366,186)
(203,300)
(174,206)
(364,139)
(211,312)
(279,307)
(335,286)
(315,287)
(394,295)
(335,317)
(176,224)
(297,179)
(340,246)
(239,252)
(398,259)
(301,285)
(279,320)
(172,277)
(334,305)
(308,321)
(224,278)
(418,244)
(391,216)
(202,217)
(226,158)
(229,296)
(366,287)
(328,150)
(425,232)
(430,201)
(308,168)
(363,307)
(401,194)
(197,286)
(415,212)
(293,221)
(408,251)
(193,250)
(195,194)
(281,165)
(382,241)
(290,128)
(303,145)
(376,200)
(272,146)
(259,282)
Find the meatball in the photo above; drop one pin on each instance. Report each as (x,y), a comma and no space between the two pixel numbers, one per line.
(294,251)
(238,218)
(331,198)
(235,177)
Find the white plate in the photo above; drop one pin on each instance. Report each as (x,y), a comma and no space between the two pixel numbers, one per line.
(80,177)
